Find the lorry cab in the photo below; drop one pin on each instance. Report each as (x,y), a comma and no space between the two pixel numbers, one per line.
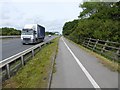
(28,36)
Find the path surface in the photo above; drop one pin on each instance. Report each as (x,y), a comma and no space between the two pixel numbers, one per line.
(76,68)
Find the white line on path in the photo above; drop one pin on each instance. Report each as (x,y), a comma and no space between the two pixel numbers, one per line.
(95,85)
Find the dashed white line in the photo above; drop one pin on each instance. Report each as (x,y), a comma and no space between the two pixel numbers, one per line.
(95,85)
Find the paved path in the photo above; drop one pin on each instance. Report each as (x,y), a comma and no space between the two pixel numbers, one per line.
(76,68)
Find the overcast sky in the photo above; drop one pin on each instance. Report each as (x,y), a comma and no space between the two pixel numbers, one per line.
(52,14)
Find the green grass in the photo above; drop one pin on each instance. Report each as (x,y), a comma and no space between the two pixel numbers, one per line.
(112,65)
(35,74)
(54,68)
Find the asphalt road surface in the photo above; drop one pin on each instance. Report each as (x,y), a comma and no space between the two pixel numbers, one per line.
(11,47)
(76,68)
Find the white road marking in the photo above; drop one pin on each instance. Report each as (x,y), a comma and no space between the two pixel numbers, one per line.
(95,85)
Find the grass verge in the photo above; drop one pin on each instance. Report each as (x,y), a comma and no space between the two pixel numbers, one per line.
(35,74)
(114,66)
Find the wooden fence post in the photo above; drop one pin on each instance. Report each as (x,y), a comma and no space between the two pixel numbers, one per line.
(95,44)
(104,46)
(117,53)
(88,42)
(83,41)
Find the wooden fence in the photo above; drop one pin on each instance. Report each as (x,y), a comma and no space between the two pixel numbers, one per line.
(107,48)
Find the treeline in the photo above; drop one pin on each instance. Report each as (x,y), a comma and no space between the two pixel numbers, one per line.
(51,33)
(9,31)
(100,20)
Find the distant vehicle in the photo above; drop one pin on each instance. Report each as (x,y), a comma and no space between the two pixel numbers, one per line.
(49,35)
(32,33)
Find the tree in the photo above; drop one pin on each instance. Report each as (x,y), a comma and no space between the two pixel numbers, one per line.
(98,20)
(69,27)
(9,31)
(100,10)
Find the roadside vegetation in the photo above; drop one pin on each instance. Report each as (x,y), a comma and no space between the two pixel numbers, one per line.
(36,73)
(9,31)
(98,20)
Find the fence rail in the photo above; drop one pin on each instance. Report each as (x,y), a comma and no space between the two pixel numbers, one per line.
(107,48)
(12,64)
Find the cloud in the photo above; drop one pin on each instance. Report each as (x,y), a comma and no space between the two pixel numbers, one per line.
(10,15)
(39,1)
(51,15)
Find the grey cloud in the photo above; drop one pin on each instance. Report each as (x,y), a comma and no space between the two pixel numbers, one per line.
(4,13)
(4,16)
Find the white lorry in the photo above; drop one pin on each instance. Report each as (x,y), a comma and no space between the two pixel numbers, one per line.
(32,33)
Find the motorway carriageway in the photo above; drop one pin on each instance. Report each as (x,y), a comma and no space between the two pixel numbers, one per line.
(11,47)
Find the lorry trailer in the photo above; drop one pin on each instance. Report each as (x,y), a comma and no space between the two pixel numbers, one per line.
(32,33)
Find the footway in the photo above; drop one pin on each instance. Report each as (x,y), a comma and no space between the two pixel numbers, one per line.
(76,68)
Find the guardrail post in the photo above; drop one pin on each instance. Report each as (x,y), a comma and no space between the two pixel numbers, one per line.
(33,53)
(45,43)
(104,46)
(48,42)
(39,47)
(95,44)
(22,60)
(8,70)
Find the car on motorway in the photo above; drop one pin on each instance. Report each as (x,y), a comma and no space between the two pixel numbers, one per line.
(49,35)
